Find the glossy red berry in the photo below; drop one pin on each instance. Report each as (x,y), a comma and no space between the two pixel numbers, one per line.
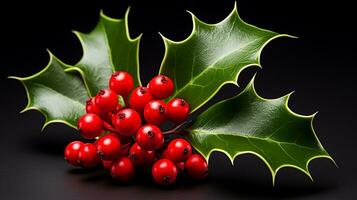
(156,112)
(161,87)
(140,157)
(139,98)
(90,125)
(107,164)
(87,156)
(164,172)
(91,107)
(127,122)
(71,152)
(179,150)
(121,82)
(108,147)
(178,110)
(149,137)
(196,167)
(106,100)
(122,170)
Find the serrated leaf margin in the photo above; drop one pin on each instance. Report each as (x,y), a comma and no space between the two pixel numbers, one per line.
(28,107)
(273,173)
(196,20)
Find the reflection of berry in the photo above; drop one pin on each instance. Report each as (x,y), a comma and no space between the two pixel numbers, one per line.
(71,152)
(149,137)
(178,110)
(156,112)
(106,100)
(90,125)
(196,167)
(164,172)
(108,147)
(139,98)
(122,170)
(161,87)
(87,156)
(121,83)
(140,157)
(127,122)
(179,150)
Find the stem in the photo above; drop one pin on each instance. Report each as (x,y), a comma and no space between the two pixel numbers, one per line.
(177,128)
(108,127)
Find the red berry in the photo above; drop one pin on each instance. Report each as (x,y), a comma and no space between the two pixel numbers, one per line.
(149,137)
(121,82)
(179,150)
(91,107)
(87,156)
(139,98)
(108,147)
(127,122)
(178,110)
(156,112)
(90,125)
(164,172)
(107,164)
(161,87)
(196,167)
(122,170)
(106,100)
(71,152)
(140,157)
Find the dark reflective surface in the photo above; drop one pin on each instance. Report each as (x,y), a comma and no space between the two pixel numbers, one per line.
(320,67)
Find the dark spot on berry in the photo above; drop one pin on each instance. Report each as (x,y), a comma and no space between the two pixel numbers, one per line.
(142,90)
(121,116)
(182,102)
(89,102)
(115,73)
(161,109)
(185,151)
(100,154)
(163,79)
(101,92)
(133,157)
(150,134)
(166,179)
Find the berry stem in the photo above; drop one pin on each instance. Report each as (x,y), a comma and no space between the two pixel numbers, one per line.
(178,128)
(108,127)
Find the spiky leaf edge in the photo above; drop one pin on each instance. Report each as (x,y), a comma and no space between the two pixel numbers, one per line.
(73,68)
(196,20)
(273,173)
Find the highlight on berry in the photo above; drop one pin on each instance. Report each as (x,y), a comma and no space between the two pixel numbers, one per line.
(127,136)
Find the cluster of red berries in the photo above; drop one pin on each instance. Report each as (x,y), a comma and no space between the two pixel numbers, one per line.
(130,137)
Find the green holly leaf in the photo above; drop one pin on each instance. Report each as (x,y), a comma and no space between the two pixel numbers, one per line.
(106,49)
(60,95)
(212,56)
(267,128)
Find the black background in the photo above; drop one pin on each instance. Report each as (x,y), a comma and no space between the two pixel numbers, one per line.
(319,66)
